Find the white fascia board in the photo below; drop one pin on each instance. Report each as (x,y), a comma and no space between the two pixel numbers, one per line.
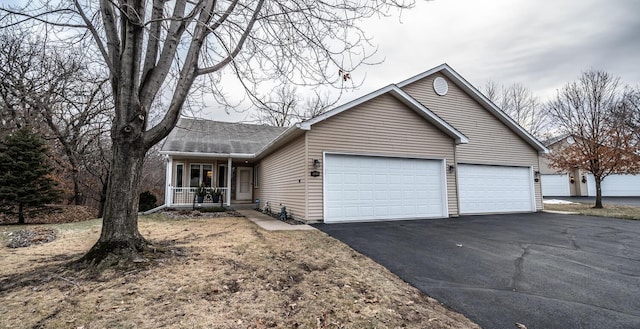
(422,75)
(210,155)
(435,120)
(480,98)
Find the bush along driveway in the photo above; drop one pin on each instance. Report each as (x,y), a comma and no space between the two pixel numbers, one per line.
(541,270)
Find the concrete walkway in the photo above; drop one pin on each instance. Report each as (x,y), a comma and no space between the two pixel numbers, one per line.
(271,224)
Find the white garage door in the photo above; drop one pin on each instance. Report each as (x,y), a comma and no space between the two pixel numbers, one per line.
(364,188)
(616,185)
(495,189)
(555,185)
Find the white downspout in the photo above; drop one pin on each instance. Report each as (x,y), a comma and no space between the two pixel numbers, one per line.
(168,195)
(229,172)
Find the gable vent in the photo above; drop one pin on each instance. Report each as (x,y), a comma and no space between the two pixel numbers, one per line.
(440,86)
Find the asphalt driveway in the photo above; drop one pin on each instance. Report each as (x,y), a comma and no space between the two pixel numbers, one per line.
(542,270)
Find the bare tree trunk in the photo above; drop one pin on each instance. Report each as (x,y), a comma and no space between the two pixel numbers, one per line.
(76,183)
(103,196)
(120,236)
(21,214)
(598,192)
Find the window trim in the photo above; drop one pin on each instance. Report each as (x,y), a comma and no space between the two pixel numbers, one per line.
(180,188)
(256,176)
(201,173)
(222,167)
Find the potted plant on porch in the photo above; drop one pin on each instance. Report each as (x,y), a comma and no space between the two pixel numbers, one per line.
(215,195)
(201,192)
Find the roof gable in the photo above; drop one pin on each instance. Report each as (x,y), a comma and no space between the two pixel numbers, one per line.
(403,97)
(484,102)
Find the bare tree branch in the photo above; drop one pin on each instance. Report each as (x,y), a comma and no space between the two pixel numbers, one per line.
(518,102)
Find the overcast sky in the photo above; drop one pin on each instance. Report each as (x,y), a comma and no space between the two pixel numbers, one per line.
(542,44)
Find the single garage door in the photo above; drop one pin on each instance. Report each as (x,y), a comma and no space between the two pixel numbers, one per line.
(615,185)
(366,188)
(555,185)
(495,189)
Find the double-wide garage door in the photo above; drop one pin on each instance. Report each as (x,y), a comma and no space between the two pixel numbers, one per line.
(495,189)
(364,188)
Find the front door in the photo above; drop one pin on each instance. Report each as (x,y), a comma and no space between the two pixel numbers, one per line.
(243,183)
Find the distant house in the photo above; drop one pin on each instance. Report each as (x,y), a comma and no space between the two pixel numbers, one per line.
(431,146)
(577,182)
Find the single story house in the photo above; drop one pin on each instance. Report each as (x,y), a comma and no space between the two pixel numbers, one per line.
(431,146)
(577,182)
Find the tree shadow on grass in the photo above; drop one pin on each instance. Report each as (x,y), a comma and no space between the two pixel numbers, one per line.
(65,272)
(55,271)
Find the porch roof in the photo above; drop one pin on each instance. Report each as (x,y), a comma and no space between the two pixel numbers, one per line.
(197,136)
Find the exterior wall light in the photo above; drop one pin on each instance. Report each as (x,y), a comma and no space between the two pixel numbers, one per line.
(452,168)
(316,163)
(536,175)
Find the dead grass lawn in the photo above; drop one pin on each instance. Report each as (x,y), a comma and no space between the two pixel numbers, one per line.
(609,210)
(219,273)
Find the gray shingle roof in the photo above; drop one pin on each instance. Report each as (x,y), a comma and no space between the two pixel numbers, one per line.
(553,140)
(206,136)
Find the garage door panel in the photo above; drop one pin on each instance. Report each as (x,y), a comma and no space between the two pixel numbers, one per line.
(380,188)
(616,185)
(555,185)
(494,189)
(621,185)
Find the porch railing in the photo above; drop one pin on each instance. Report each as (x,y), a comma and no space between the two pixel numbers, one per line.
(182,196)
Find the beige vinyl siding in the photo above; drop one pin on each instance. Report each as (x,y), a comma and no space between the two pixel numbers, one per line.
(282,179)
(545,166)
(545,163)
(490,141)
(382,126)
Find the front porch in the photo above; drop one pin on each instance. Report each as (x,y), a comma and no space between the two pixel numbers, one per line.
(226,181)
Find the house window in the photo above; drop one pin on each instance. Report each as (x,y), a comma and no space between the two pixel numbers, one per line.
(222,176)
(200,173)
(256,176)
(179,174)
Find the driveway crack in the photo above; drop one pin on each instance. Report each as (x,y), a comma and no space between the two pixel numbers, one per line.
(517,275)
(572,239)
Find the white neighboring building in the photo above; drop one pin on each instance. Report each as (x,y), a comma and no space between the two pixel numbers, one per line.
(581,183)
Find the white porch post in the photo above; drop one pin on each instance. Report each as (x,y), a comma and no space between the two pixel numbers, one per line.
(229,172)
(168,195)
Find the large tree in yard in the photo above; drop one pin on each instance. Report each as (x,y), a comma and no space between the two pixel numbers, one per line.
(589,111)
(154,48)
(25,182)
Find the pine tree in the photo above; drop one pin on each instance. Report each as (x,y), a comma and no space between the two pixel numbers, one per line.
(25,182)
